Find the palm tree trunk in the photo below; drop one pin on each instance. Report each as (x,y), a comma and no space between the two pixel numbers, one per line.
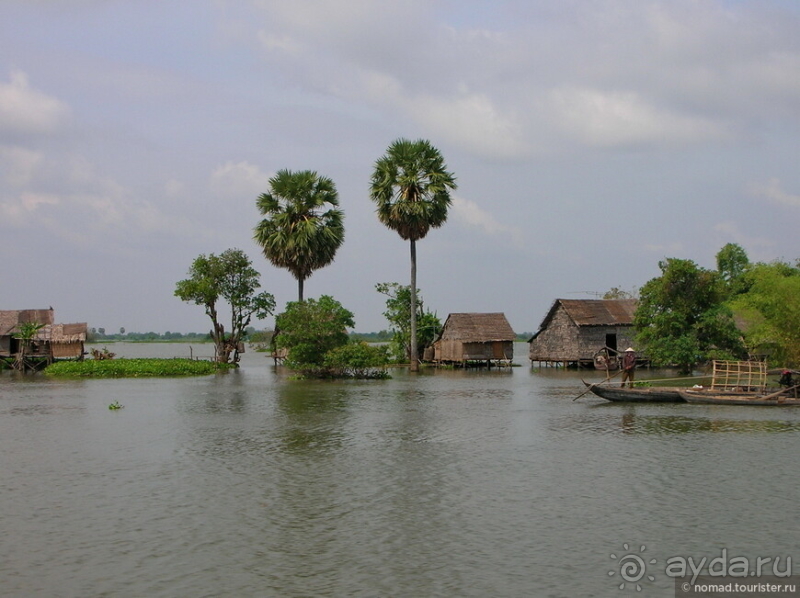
(414,351)
(300,282)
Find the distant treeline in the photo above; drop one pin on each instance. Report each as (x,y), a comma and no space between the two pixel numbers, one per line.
(95,335)
(99,335)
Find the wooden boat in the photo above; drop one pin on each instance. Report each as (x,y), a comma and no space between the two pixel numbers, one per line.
(637,394)
(775,399)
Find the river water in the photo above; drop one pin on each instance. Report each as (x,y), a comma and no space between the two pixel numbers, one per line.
(443,484)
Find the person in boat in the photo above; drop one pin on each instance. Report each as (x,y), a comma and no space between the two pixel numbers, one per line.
(786,378)
(628,367)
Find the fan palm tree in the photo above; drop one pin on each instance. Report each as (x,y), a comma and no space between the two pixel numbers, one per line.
(303,226)
(411,187)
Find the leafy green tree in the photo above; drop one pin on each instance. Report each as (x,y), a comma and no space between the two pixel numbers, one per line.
(732,264)
(229,276)
(398,312)
(303,227)
(771,310)
(681,317)
(411,187)
(310,329)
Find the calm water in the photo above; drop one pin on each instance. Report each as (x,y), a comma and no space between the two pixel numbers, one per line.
(450,483)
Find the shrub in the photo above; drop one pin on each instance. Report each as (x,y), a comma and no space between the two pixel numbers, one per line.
(358,360)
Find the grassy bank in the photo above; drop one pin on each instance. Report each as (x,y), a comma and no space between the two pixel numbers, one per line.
(134,368)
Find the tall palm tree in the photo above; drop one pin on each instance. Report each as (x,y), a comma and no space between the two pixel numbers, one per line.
(303,227)
(411,187)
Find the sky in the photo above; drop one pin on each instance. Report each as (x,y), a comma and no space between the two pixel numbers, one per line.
(590,139)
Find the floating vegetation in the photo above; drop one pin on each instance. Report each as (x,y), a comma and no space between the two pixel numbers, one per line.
(134,368)
(115,405)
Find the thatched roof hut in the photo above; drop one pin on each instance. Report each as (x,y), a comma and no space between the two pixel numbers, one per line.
(467,337)
(67,340)
(574,330)
(10,321)
(60,341)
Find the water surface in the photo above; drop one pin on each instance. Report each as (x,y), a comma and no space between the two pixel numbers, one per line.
(448,483)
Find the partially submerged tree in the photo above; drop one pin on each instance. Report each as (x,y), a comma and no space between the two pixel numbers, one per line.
(310,329)
(231,277)
(303,226)
(411,187)
(398,312)
(682,318)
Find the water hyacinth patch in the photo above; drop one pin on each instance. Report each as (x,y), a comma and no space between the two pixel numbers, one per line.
(134,368)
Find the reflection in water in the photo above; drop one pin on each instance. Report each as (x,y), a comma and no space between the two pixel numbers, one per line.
(618,419)
(450,483)
(314,415)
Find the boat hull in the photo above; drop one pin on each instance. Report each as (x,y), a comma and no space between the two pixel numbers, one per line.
(753,400)
(637,394)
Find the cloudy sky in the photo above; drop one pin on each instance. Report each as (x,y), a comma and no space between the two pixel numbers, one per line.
(590,139)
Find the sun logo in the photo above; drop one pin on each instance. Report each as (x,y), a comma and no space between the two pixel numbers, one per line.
(632,568)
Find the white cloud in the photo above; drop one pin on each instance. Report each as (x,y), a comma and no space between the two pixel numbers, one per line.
(471,120)
(18,164)
(624,118)
(471,214)
(26,110)
(283,43)
(89,202)
(240,179)
(729,232)
(774,192)
(605,74)
(174,188)
(21,211)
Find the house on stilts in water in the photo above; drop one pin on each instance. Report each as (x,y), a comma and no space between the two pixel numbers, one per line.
(46,340)
(473,339)
(584,333)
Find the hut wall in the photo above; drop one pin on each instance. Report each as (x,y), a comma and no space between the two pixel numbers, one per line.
(593,338)
(5,346)
(503,350)
(477,351)
(449,350)
(67,350)
(452,350)
(562,340)
(559,341)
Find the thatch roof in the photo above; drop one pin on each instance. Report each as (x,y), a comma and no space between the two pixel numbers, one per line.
(595,312)
(57,333)
(68,333)
(10,319)
(477,328)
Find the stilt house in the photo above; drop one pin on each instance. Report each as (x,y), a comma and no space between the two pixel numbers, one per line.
(51,341)
(467,337)
(575,330)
